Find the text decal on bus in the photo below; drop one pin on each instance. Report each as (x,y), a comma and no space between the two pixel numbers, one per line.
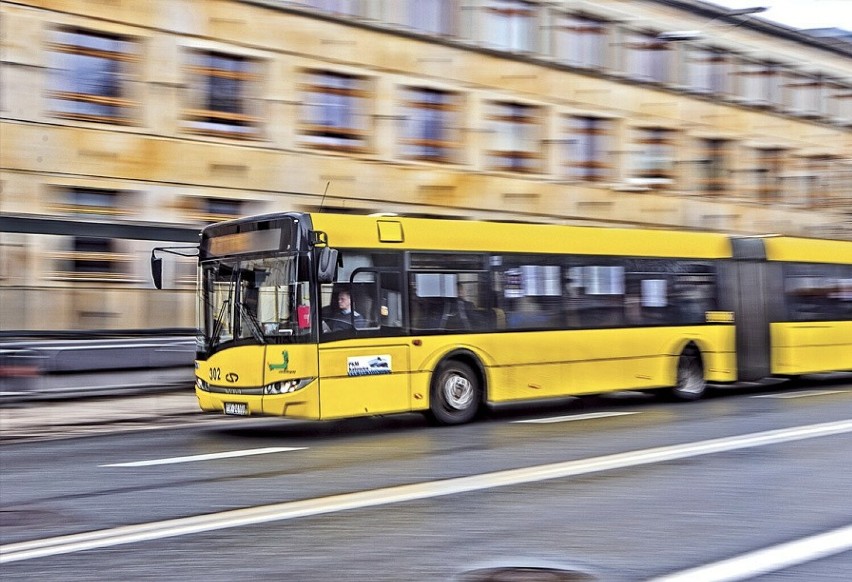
(369,365)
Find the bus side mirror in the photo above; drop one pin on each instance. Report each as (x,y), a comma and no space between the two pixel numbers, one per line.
(327,265)
(157,270)
(157,262)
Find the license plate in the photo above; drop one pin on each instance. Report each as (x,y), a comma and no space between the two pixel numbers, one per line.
(238,408)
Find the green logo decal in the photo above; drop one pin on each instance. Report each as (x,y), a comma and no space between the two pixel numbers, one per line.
(285,357)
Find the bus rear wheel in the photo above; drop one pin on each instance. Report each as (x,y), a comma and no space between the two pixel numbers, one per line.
(691,384)
(455,394)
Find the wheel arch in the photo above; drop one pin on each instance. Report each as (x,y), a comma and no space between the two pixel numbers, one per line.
(682,345)
(694,346)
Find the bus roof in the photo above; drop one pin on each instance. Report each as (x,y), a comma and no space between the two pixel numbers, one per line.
(358,231)
(808,250)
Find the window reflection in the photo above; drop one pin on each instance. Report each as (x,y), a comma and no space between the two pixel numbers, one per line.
(222,85)
(714,166)
(587,150)
(516,138)
(430,126)
(760,82)
(335,110)
(708,70)
(580,41)
(648,58)
(91,75)
(510,25)
(429,16)
(818,292)
(654,157)
(344,7)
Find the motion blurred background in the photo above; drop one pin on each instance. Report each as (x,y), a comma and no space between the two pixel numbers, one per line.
(128,124)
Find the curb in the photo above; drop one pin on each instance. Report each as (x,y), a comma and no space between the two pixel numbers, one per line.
(72,417)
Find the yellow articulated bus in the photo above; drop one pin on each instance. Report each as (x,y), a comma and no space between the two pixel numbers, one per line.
(323,316)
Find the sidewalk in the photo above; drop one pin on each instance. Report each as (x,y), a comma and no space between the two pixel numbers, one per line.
(82,416)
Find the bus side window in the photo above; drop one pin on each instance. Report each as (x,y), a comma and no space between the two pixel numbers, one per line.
(450,302)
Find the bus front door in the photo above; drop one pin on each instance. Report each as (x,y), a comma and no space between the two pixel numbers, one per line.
(368,374)
(364,380)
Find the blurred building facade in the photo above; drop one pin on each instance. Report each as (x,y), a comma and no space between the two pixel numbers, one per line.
(131,123)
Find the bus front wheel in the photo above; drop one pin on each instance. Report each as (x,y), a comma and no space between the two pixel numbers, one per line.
(455,394)
(691,384)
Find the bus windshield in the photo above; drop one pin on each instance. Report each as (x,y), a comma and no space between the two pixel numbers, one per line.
(255,300)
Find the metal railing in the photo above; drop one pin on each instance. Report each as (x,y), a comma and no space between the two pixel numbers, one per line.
(57,367)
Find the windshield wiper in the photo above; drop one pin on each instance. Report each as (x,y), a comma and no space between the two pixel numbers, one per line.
(219,323)
(254,327)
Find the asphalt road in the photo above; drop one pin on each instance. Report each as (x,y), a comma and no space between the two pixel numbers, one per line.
(622,489)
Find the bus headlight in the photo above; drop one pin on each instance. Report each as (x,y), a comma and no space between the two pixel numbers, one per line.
(202,385)
(286,386)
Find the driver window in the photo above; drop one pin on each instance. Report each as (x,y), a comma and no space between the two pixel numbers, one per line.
(367,296)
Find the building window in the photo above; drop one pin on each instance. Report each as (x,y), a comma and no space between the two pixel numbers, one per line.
(335,111)
(580,41)
(802,93)
(708,70)
(713,166)
(813,182)
(91,76)
(587,155)
(209,210)
(648,58)
(429,16)
(654,157)
(222,90)
(89,203)
(88,257)
(839,184)
(510,25)
(93,256)
(767,182)
(837,102)
(341,7)
(516,137)
(760,83)
(431,125)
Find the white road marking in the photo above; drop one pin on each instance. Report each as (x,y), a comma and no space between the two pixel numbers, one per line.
(800,394)
(417,491)
(570,417)
(769,559)
(207,457)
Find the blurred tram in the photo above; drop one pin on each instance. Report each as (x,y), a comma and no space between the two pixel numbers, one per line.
(324,316)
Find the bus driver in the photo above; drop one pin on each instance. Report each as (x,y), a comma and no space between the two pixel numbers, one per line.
(341,318)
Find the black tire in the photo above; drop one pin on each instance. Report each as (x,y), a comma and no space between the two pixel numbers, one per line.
(455,395)
(691,384)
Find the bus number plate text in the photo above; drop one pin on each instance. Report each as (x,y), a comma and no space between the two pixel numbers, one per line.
(237,408)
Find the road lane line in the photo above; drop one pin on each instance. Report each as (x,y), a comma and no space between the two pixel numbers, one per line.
(768,560)
(207,457)
(403,493)
(800,394)
(570,417)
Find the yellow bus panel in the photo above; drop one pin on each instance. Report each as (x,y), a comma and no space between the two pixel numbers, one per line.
(350,231)
(805,250)
(811,347)
(529,366)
